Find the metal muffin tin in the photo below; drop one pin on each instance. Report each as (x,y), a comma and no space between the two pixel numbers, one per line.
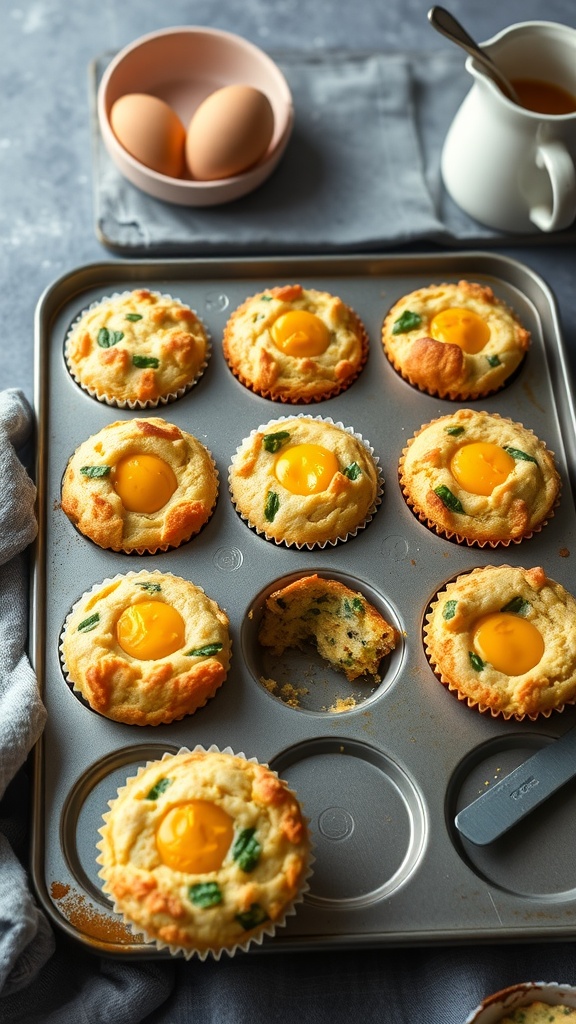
(381,781)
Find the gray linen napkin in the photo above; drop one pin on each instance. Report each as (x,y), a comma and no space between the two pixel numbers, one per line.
(25,938)
(361,171)
(351,178)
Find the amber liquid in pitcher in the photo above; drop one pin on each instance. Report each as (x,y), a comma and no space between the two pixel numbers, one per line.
(544,97)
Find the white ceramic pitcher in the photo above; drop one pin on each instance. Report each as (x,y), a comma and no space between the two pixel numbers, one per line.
(508,167)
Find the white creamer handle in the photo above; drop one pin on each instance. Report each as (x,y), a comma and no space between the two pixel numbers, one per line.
(554,158)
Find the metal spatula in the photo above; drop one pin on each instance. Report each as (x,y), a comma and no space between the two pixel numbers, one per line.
(520,792)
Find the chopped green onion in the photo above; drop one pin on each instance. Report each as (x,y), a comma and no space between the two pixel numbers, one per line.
(205,894)
(449,609)
(107,338)
(133,317)
(454,431)
(246,849)
(518,454)
(493,360)
(517,606)
(271,506)
(160,787)
(352,607)
(204,652)
(150,588)
(95,471)
(146,362)
(352,471)
(407,322)
(253,917)
(273,442)
(475,661)
(88,624)
(451,502)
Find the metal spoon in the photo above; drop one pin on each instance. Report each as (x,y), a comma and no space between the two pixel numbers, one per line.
(448,26)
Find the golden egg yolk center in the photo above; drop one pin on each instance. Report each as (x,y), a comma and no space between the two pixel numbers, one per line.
(144,483)
(481,466)
(150,630)
(305,468)
(460,327)
(194,837)
(300,333)
(509,643)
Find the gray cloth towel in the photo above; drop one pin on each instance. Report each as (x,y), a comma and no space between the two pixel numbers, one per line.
(25,937)
(361,171)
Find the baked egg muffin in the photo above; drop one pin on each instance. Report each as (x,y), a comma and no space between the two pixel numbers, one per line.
(140,485)
(457,341)
(205,851)
(347,631)
(479,478)
(305,481)
(295,344)
(137,349)
(146,648)
(503,638)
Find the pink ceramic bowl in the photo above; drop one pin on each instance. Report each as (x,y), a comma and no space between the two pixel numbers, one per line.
(182,66)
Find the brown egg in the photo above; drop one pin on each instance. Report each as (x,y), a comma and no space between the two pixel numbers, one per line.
(150,131)
(229,132)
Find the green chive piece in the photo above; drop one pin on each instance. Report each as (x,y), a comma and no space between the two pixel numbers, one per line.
(150,588)
(87,625)
(517,606)
(205,894)
(273,442)
(95,471)
(265,298)
(107,338)
(493,360)
(271,507)
(476,662)
(454,431)
(204,652)
(133,317)
(160,787)
(246,849)
(407,322)
(353,607)
(449,609)
(451,502)
(146,362)
(253,917)
(352,471)
(518,454)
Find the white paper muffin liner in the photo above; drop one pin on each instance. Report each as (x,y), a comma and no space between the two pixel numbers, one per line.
(136,404)
(317,545)
(496,1006)
(98,586)
(267,929)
